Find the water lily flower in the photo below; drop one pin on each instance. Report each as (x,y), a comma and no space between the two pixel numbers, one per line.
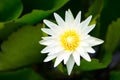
(68,40)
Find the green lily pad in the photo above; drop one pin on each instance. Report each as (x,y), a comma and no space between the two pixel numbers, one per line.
(22,48)
(10,9)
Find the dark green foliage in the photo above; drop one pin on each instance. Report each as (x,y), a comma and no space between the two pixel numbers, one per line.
(10,9)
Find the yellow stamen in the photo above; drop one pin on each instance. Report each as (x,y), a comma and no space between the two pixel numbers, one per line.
(70,40)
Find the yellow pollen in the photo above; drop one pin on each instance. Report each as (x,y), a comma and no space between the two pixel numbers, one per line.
(70,40)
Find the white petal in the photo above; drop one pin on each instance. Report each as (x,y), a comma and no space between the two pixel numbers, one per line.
(70,65)
(87,29)
(52,48)
(47,41)
(59,20)
(44,42)
(76,57)
(59,59)
(90,49)
(50,24)
(83,43)
(80,50)
(98,41)
(86,22)
(48,31)
(85,56)
(47,38)
(55,51)
(45,50)
(78,18)
(94,41)
(53,27)
(49,58)
(68,16)
(66,56)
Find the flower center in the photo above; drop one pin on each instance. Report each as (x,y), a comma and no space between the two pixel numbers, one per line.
(70,40)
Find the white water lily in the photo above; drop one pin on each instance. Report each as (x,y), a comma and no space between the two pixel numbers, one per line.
(68,40)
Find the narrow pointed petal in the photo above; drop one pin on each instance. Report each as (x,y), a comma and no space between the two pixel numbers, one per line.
(50,24)
(59,20)
(86,22)
(90,49)
(76,57)
(58,60)
(66,57)
(88,28)
(47,38)
(52,48)
(69,17)
(83,53)
(48,31)
(56,51)
(46,42)
(49,58)
(85,56)
(94,41)
(78,18)
(45,50)
(97,41)
(70,65)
